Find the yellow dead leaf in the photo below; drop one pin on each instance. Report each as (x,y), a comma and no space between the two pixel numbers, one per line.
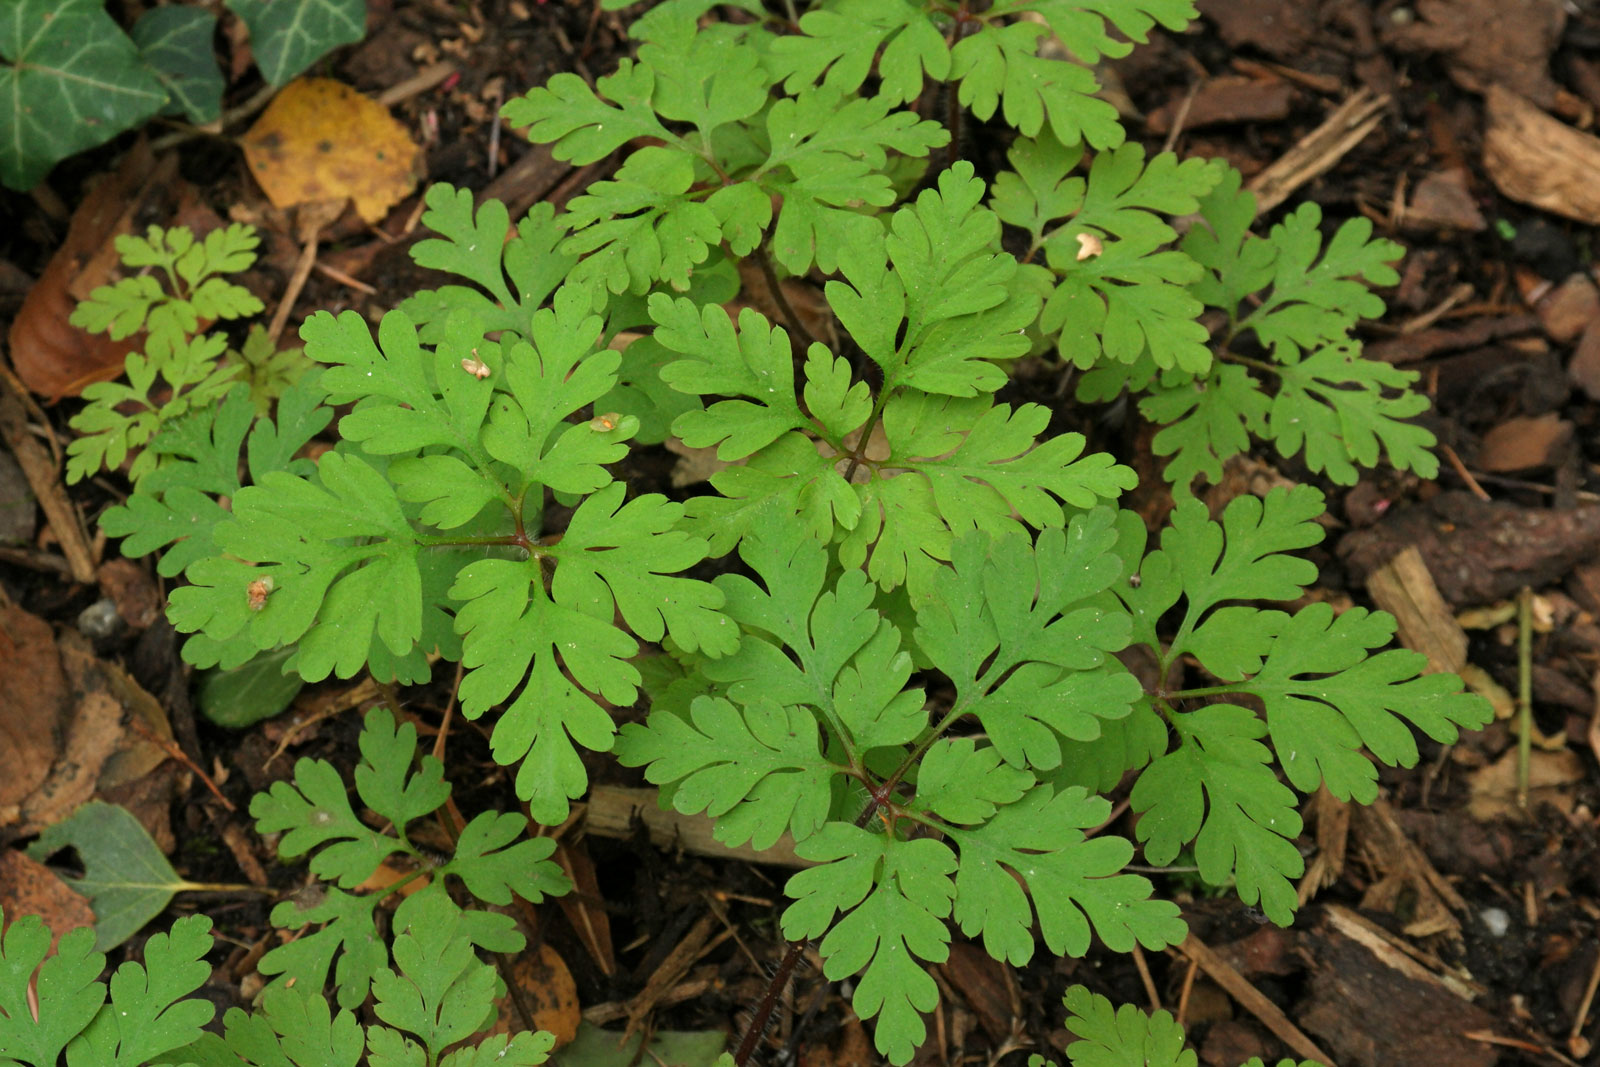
(319,139)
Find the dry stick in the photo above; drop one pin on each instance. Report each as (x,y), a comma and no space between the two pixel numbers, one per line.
(1524,693)
(40,470)
(1253,1000)
(170,747)
(1188,985)
(1577,1044)
(1466,475)
(1180,118)
(420,82)
(1143,968)
(1317,152)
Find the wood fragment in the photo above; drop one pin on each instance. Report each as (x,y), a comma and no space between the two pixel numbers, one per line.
(1317,152)
(614,811)
(1253,1000)
(1400,955)
(1540,161)
(43,479)
(1405,589)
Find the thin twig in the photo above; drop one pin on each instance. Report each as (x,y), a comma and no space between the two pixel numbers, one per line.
(770,274)
(170,747)
(1466,475)
(1180,118)
(1524,693)
(1143,968)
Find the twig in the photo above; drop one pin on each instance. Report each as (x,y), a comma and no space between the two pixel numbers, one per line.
(1253,1000)
(774,287)
(170,747)
(1466,475)
(1143,968)
(1188,986)
(1524,693)
(1577,1044)
(418,83)
(1317,152)
(1180,118)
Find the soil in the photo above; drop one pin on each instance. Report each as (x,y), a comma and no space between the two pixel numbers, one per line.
(1483,913)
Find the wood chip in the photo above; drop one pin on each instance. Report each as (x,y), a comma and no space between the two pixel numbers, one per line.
(1317,152)
(615,812)
(1525,443)
(1539,161)
(1404,588)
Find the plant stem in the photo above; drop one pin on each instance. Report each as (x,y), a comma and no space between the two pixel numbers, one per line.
(780,978)
(1524,693)
(1246,361)
(770,274)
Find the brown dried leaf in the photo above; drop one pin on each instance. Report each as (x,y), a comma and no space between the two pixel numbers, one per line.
(28,887)
(541,996)
(31,713)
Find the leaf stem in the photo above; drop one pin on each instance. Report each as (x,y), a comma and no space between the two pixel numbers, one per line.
(1194,694)
(775,289)
(1255,364)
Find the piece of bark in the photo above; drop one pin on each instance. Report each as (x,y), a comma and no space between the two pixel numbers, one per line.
(1371,1015)
(1569,308)
(1525,443)
(1404,588)
(1540,161)
(1225,100)
(613,810)
(1410,347)
(1281,28)
(1488,42)
(1584,370)
(1442,201)
(1479,551)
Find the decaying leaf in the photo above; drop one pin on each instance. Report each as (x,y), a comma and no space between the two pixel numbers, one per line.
(319,139)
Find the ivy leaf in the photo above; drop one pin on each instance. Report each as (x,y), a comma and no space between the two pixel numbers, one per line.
(286,39)
(150,1012)
(67,994)
(71,80)
(1218,790)
(1073,881)
(176,43)
(896,895)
